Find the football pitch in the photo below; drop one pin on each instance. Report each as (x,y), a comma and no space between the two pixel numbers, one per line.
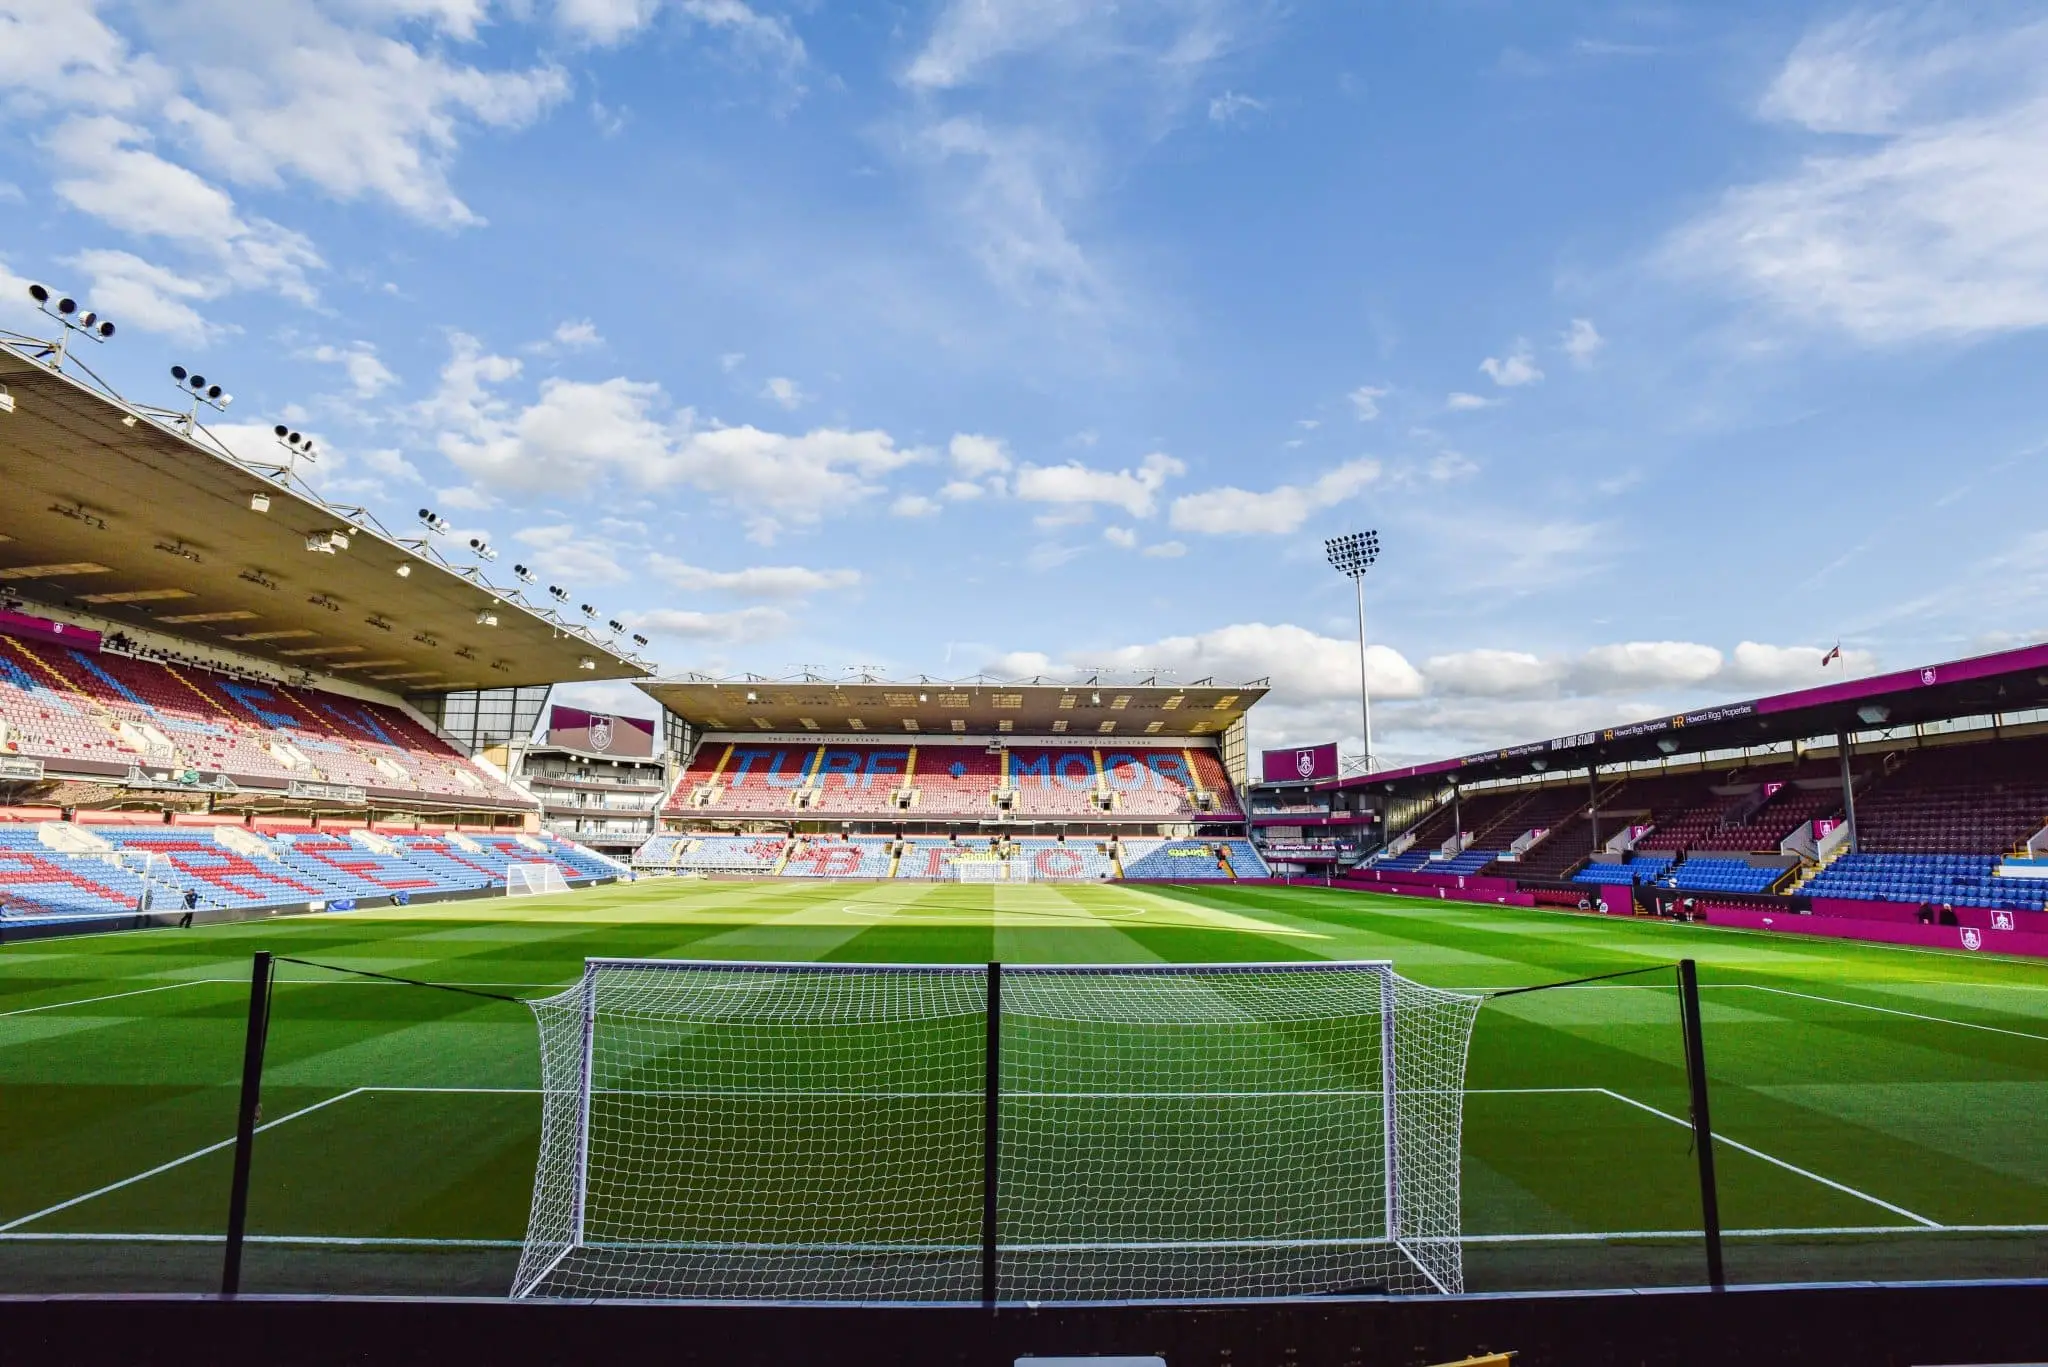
(1881,1112)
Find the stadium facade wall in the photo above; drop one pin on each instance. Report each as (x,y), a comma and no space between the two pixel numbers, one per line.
(1976,938)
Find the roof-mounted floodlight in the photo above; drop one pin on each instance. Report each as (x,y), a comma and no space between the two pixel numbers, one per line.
(434,522)
(558,593)
(586,663)
(293,443)
(481,549)
(525,574)
(486,618)
(638,639)
(65,310)
(199,391)
(590,612)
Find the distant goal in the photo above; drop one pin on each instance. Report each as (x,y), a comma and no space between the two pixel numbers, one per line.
(988,870)
(525,880)
(969,1133)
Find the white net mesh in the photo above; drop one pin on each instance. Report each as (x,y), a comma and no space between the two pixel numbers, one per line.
(815,1132)
(986,870)
(524,880)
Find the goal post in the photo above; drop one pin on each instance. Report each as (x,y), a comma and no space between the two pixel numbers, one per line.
(849,1132)
(988,870)
(525,880)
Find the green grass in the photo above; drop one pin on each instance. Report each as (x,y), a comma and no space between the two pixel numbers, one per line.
(1875,1092)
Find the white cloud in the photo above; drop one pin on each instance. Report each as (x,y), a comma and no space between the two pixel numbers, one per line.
(107,170)
(604,23)
(1634,667)
(465,498)
(1010,190)
(577,334)
(1365,401)
(1166,550)
(975,456)
(743,624)
(1933,220)
(782,390)
(914,505)
(1050,555)
(1122,537)
(577,435)
(1238,512)
(1582,341)
(1766,667)
(1077,485)
(1231,107)
(1460,402)
(961,490)
(1305,667)
(1516,369)
(730,361)
(1638,664)
(367,375)
(756,581)
(567,553)
(143,295)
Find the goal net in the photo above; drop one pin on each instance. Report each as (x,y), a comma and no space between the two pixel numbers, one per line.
(522,880)
(821,1132)
(987,870)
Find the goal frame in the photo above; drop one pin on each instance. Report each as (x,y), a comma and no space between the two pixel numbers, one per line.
(549,877)
(1397,1233)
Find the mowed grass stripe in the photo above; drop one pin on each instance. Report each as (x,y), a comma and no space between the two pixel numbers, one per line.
(1943,1121)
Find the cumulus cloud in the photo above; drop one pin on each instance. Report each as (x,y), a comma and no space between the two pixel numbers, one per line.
(975,456)
(1514,370)
(1633,667)
(1231,511)
(578,436)
(564,551)
(1933,220)
(1078,486)
(774,582)
(576,334)
(1460,402)
(914,505)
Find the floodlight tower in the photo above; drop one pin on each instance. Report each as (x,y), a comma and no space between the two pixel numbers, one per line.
(1351,555)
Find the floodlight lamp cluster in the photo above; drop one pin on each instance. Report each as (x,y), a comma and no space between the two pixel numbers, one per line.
(525,574)
(1353,553)
(65,310)
(293,442)
(212,395)
(482,549)
(434,522)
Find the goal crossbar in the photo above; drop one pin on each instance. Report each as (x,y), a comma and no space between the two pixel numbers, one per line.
(839,1132)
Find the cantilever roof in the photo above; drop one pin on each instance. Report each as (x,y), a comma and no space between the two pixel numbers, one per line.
(2008,681)
(112,508)
(979,706)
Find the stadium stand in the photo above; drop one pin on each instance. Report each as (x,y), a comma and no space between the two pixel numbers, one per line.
(38,881)
(1954,879)
(1193,859)
(822,858)
(731,853)
(1066,861)
(1638,869)
(61,703)
(1709,874)
(1963,799)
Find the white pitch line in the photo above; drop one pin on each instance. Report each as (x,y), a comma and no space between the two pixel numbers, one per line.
(1779,1162)
(344,1240)
(87,1001)
(175,1162)
(1891,1011)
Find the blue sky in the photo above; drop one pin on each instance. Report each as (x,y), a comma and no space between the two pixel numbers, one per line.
(1665,345)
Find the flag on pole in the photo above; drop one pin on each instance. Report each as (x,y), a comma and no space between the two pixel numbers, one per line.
(1831,656)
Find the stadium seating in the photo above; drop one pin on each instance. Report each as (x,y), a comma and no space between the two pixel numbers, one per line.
(1956,879)
(1639,869)
(1069,861)
(37,882)
(350,869)
(1963,799)
(1709,824)
(730,853)
(1707,874)
(61,703)
(828,858)
(929,858)
(1192,859)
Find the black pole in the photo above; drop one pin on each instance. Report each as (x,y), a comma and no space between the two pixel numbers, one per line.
(1702,1127)
(991,1098)
(245,1121)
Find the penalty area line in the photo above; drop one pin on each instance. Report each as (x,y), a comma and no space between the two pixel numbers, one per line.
(1779,1162)
(19,1221)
